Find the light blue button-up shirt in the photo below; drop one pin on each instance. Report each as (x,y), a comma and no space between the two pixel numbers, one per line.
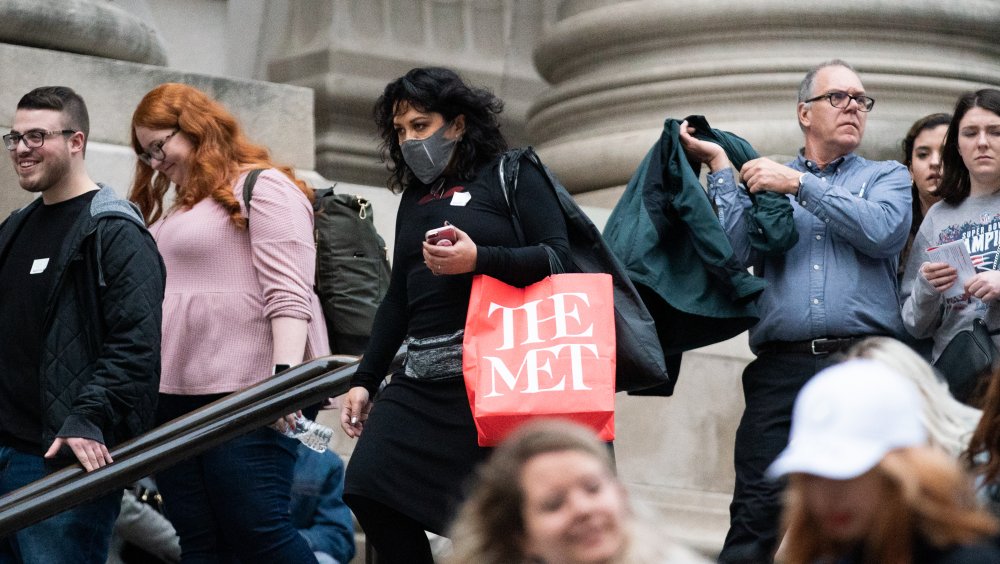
(839,280)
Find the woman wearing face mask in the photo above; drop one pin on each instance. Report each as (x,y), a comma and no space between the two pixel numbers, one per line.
(549,495)
(922,156)
(864,487)
(239,304)
(417,440)
(969,211)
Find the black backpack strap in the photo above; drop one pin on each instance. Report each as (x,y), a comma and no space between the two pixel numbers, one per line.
(251,179)
(510,168)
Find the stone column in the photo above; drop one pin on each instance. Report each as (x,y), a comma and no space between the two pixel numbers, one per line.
(617,69)
(112,59)
(347,50)
(96,28)
(87,27)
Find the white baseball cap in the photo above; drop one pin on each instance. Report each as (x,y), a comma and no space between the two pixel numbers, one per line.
(847,417)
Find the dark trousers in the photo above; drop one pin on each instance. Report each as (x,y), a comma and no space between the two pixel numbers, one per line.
(231,503)
(79,535)
(397,539)
(770,384)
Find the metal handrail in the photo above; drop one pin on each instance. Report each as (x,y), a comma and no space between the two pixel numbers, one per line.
(182,438)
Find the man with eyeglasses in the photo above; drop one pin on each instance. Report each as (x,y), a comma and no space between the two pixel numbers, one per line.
(81,288)
(836,286)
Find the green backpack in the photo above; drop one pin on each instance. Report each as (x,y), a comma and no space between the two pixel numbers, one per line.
(352,265)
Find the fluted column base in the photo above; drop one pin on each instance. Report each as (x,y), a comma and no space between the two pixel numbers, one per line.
(619,69)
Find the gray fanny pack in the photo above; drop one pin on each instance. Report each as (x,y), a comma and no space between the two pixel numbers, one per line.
(435,358)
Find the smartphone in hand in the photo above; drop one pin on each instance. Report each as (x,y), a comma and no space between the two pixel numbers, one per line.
(442,236)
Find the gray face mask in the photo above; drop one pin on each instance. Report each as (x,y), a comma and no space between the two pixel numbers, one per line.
(428,157)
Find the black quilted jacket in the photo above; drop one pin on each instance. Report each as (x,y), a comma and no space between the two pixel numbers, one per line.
(100,365)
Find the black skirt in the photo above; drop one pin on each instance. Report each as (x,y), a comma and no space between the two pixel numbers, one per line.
(418,450)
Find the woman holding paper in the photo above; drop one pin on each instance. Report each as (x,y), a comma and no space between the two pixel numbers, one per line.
(417,440)
(940,298)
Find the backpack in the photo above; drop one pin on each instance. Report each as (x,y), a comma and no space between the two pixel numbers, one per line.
(352,265)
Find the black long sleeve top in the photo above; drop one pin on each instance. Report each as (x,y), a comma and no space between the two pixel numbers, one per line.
(420,304)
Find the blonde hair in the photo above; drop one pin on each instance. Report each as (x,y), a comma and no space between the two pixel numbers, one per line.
(924,493)
(949,422)
(490,527)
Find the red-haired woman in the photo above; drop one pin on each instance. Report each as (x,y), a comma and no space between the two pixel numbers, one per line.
(239,303)
(916,505)
(864,487)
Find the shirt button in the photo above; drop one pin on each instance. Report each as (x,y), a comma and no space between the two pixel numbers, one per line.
(804,202)
(815,300)
(827,220)
(720,181)
(815,267)
(819,237)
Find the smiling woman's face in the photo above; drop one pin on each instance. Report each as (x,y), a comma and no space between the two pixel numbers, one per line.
(573,509)
(177,152)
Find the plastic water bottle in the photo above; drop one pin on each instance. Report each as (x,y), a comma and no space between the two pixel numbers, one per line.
(312,434)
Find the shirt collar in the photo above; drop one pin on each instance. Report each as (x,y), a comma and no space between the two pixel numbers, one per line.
(811,166)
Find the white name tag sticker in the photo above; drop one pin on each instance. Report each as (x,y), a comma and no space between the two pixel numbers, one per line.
(38,266)
(460,198)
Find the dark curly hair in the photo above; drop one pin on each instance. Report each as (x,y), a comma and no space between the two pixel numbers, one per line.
(441,90)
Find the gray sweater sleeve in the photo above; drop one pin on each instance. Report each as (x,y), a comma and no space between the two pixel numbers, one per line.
(922,304)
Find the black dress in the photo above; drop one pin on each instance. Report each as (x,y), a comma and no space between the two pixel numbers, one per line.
(419,445)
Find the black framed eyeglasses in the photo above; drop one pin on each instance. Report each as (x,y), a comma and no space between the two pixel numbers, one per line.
(32,139)
(841,100)
(155,150)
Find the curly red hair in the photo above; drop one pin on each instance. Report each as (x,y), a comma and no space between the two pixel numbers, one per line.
(221,152)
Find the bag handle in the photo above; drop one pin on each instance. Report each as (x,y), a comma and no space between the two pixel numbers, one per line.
(989,331)
(509,169)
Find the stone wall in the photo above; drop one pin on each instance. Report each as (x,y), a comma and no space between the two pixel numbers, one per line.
(113,88)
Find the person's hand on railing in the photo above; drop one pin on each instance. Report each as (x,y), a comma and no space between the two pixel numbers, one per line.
(91,454)
(357,406)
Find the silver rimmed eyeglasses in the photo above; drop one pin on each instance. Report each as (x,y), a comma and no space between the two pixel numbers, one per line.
(842,99)
(32,139)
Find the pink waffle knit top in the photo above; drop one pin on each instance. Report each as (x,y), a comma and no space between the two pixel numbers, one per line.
(224,285)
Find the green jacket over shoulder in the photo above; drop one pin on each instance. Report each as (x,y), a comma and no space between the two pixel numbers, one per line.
(667,234)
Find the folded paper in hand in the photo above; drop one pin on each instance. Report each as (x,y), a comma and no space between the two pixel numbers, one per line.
(955,254)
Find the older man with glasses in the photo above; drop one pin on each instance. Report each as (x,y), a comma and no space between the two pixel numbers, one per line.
(834,287)
(81,287)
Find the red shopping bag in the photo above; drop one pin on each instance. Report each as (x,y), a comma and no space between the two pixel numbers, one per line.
(547,350)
